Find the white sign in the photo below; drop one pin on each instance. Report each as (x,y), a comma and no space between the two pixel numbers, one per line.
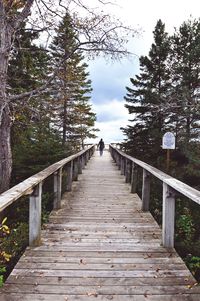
(168,141)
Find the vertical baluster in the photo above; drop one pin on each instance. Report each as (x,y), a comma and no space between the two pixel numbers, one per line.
(145,190)
(35,201)
(128,171)
(168,217)
(122,165)
(69,170)
(75,170)
(57,189)
(80,164)
(134,178)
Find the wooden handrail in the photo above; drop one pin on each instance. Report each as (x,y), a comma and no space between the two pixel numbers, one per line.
(170,187)
(33,187)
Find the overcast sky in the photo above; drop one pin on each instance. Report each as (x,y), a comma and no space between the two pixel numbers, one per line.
(110,79)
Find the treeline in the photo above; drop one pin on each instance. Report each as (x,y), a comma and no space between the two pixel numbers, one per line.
(55,123)
(165,96)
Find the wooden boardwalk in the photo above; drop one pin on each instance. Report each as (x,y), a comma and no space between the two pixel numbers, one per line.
(100,246)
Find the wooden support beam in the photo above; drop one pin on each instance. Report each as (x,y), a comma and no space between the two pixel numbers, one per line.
(168,216)
(35,206)
(134,178)
(122,163)
(128,171)
(83,160)
(57,189)
(118,160)
(69,169)
(75,170)
(80,165)
(145,190)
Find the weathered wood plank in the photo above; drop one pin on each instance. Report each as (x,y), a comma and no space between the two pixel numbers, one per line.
(54,280)
(83,264)
(104,273)
(101,290)
(109,260)
(93,297)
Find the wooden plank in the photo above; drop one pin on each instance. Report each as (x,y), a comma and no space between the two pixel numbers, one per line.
(109,260)
(104,273)
(93,297)
(115,254)
(107,266)
(83,281)
(101,290)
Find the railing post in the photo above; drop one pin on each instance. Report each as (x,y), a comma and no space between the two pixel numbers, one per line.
(118,161)
(168,217)
(83,160)
(35,206)
(80,165)
(134,178)
(86,157)
(57,189)
(69,170)
(145,190)
(75,170)
(128,171)
(122,165)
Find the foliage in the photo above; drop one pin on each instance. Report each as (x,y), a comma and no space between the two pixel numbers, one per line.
(35,148)
(185,227)
(148,91)
(4,256)
(14,238)
(193,262)
(73,113)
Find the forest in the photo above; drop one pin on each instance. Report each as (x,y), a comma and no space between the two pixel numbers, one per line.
(164,97)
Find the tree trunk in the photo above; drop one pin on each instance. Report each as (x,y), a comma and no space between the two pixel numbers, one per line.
(5,121)
(8,25)
(64,131)
(5,151)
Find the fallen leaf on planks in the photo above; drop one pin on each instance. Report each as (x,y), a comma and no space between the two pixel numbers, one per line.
(82,261)
(94,294)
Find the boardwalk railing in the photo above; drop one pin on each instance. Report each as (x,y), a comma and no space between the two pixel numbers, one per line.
(128,166)
(33,187)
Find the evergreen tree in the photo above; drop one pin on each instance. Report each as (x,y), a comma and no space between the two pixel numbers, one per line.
(73,113)
(35,144)
(146,99)
(186,80)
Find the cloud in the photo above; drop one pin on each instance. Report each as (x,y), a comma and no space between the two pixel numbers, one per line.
(110,117)
(109,80)
(113,110)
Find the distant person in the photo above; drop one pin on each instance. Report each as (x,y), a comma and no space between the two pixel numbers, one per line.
(101,146)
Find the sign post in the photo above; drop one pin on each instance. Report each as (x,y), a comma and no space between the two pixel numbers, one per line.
(168,142)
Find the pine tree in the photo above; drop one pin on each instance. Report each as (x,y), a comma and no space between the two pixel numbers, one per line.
(73,112)
(186,79)
(146,99)
(35,144)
